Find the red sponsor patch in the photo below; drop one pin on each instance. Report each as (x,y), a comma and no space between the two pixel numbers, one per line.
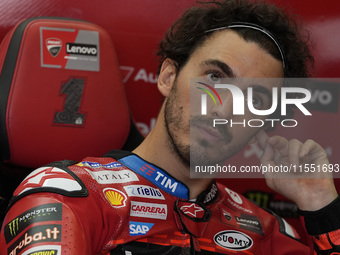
(115,197)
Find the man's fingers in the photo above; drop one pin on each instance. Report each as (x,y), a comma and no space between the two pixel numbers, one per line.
(313,152)
(268,155)
(273,147)
(294,150)
(278,150)
(310,146)
(280,144)
(261,138)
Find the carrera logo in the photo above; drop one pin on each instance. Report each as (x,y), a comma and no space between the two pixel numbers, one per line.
(149,210)
(115,197)
(81,49)
(54,46)
(233,240)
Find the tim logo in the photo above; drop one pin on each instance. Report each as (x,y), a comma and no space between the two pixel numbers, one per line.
(147,169)
(161,179)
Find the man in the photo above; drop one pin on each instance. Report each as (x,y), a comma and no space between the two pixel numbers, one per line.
(145,201)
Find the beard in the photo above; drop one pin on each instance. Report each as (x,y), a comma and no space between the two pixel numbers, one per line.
(174,124)
(199,151)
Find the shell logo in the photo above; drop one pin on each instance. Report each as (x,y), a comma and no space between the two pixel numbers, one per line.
(115,197)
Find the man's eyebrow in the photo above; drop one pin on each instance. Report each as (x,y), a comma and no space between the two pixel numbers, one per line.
(223,66)
(262,89)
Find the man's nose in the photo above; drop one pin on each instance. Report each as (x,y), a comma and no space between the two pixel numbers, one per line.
(224,110)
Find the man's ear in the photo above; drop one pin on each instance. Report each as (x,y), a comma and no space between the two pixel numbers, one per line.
(166,77)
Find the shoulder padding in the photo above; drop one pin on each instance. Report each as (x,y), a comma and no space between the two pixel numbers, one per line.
(56,178)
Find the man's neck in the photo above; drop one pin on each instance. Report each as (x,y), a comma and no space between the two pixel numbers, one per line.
(157,150)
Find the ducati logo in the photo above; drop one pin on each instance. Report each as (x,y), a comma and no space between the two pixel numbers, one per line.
(54,46)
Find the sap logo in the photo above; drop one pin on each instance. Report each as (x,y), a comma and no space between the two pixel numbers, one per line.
(139,228)
(143,191)
(233,240)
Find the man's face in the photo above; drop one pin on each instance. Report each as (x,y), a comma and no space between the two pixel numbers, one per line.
(223,55)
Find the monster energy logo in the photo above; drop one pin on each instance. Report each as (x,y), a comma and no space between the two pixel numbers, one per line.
(48,212)
(14,227)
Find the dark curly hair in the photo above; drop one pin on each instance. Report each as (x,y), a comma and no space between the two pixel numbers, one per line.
(189,32)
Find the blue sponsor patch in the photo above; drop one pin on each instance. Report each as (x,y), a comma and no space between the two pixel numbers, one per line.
(98,165)
(156,175)
(139,228)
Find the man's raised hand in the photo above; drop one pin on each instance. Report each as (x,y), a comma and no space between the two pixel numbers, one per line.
(310,190)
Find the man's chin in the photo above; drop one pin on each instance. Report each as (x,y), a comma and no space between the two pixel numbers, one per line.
(206,156)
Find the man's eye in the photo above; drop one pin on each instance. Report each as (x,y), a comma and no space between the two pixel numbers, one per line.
(257,102)
(214,77)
